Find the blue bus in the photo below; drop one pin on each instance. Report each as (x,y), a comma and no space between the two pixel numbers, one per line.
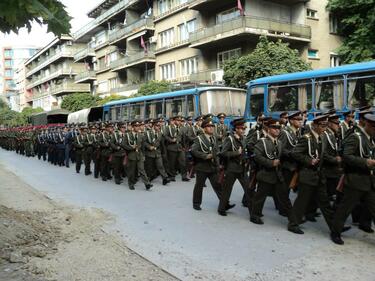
(346,87)
(189,102)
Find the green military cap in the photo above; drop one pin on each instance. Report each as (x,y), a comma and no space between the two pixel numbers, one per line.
(284,114)
(135,123)
(295,115)
(321,119)
(273,123)
(207,123)
(370,117)
(221,115)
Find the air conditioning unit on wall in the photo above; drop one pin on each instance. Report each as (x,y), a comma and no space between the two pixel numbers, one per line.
(217,77)
(153,39)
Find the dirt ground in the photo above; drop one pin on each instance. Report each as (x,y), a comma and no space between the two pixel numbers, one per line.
(43,240)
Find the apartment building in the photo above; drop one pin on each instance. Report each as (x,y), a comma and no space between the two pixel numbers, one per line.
(12,57)
(130,42)
(50,74)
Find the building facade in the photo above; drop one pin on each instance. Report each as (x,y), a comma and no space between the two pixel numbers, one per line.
(12,57)
(50,74)
(130,42)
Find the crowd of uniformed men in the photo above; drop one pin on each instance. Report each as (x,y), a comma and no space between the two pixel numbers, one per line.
(328,163)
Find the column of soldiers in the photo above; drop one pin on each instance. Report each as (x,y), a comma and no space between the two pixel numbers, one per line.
(327,164)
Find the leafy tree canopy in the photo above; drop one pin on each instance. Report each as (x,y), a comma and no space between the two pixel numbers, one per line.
(106,99)
(78,101)
(268,58)
(356,21)
(16,14)
(153,87)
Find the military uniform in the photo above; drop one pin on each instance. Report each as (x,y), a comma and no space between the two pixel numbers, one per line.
(105,153)
(205,152)
(359,185)
(79,146)
(118,155)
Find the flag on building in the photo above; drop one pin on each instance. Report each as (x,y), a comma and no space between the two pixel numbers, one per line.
(143,45)
(239,7)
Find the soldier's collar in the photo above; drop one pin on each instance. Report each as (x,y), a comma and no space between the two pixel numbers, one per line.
(364,132)
(315,134)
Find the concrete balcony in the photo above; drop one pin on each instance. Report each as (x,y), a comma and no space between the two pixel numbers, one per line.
(248,26)
(64,88)
(85,77)
(207,5)
(69,71)
(130,29)
(116,9)
(124,88)
(83,54)
(172,46)
(133,60)
(175,9)
(53,56)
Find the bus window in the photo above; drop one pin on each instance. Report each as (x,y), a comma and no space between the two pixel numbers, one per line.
(329,94)
(175,106)
(125,112)
(290,97)
(256,101)
(229,101)
(116,113)
(153,109)
(190,105)
(361,91)
(136,111)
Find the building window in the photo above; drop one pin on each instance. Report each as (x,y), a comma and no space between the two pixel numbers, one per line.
(112,83)
(9,73)
(335,60)
(227,15)
(150,74)
(8,63)
(333,24)
(166,38)
(8,53)
(112,56)
(311,14)
(188,66)
(102,87)
(186,28)
(312,54)
(223,57)
(166,5)
(168,71)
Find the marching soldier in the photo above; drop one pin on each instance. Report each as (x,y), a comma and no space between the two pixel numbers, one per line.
(359,185)
(233,154)
(283,119)
(105,151)
(347,124)
(116,143)
(288,137)
(79,145)
(96,149)
(270,178)
(176,156)
(205,152)
(89,150)
(309,153)
(133,143)
(152,150)
(221,130)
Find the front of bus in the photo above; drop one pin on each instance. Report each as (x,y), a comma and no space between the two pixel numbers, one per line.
(231,101)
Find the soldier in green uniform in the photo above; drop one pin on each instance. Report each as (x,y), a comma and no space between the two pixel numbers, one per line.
(233,155)
(205,152)
(118,152)
(221,130)
(89,149)
(105,151)
(152,150)
(79,145)
(133,144)
(288,137)
(359,158)
(309,154)
(173,136)
(270,179)
(347,124)
(95,132)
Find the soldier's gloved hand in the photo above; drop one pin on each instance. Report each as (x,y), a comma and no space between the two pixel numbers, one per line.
(370,163)
(338,159)
(314,162)
(209,156)
(240,150)
(276,162)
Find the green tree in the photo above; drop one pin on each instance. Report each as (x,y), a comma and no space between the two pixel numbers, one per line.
(356,24)
(15,14)
(106,99)
(153,87)
(268,58)
(78,101)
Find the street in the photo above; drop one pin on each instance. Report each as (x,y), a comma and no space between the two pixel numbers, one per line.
(161,226)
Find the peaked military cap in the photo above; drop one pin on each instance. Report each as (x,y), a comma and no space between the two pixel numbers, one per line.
(370,117)
(221,115)
(207,122)
(295,115)
(136,123)
(284,114)
(320,119)
(239,122)
(273,123)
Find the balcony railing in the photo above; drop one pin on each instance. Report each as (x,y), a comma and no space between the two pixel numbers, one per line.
(83,53)
(179,6)
(132,59)
(64,87)
(172,46)
(130,29)
(124,88)
(44,78)
(80,77)
(67,52)
(102,18)
(250,25)
(203,76)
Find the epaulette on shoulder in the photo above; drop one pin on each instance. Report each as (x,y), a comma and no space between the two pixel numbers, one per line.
(358,134)
(262,138)
(307,135)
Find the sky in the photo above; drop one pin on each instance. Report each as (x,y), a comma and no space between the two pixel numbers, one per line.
(39,37)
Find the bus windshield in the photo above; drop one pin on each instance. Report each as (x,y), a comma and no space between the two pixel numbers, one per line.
(231,102)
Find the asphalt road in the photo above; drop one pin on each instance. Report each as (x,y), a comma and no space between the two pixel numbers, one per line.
(162,226)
